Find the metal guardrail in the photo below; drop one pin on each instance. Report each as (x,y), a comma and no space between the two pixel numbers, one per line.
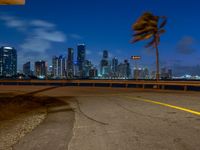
(168,85)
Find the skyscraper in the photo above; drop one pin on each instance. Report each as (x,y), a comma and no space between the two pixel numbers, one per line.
(81,58)
(93,72)
(105,54)
(170,73)
(40,69)
(54,66)
(59,67)
(27,68)
(70,63)
(114,66)
(8,61)
(87,66)
(124,70)
(166,74)
(105,68)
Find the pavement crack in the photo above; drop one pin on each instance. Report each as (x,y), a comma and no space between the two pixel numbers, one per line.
(88,117)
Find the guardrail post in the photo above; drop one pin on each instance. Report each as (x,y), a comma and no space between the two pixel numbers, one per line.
(110,84)
(185,87)
(143,86)
(163,87)
(126,85)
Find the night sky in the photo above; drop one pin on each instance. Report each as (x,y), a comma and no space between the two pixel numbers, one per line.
(43,28)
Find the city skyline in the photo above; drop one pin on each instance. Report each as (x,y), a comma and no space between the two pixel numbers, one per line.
(45,35)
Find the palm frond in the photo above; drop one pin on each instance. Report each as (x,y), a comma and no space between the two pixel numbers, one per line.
(146,27)
(164,22)
(139,26)
(141,37)
(151,43)
(161,31)
(145,31)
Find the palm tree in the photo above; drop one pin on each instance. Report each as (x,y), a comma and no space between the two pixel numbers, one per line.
(150,27)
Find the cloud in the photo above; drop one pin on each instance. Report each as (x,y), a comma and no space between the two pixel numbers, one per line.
(40,36)
(42,23)
(50,35)
(75,36)
(13,22)
(35,45)
(41,39)
(186,45)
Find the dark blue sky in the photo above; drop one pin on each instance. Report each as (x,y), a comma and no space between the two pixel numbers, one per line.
(43,28)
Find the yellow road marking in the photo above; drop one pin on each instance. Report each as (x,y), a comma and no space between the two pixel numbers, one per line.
(166,105)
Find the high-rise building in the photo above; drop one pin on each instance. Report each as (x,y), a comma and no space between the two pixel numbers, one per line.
(105,66)
(27,68)
(70,63)
(93,72)
(81,53)
(76,69)
(105,54)
(145,73)
(87,66)
(41,69)
(54,66)
(59,67)
(124,70)
(8,61)
(114,66)
(153,75)
(141,73)
(166,74)
(170,73)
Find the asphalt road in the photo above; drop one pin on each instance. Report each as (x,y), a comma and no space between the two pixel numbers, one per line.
(128,119)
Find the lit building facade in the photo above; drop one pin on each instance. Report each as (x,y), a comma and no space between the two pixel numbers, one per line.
(124,70)
(105,67)
(87,66)
(93,73)
(81,54)
(27,68)
(8,61)
(70,63)
(166,74)
(114,67)
(59,66)
(41,69)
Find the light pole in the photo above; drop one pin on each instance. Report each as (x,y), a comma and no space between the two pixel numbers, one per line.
(136,58)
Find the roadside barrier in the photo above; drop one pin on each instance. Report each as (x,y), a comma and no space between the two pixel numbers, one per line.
(141,84)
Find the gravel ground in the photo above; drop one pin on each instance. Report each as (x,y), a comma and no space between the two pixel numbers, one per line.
(11,131)
(19,116)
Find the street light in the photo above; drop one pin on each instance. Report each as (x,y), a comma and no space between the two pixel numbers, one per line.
(136,58)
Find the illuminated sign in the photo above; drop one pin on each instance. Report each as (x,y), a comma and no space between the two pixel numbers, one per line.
(136,57)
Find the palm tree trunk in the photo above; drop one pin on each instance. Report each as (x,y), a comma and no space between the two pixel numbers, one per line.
(157,60)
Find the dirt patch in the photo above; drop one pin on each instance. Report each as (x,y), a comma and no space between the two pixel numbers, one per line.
(12,106)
